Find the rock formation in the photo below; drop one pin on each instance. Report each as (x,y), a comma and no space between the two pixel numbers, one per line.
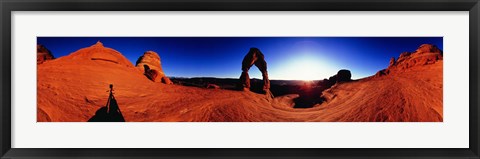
(404,54)
(98,54)
(381,73)
(392,62)
(213,86)
(43,54)
(149,63)
(428,48)
(254,57)
(425,54)
(342,75)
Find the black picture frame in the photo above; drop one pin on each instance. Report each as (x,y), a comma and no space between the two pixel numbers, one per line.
(7,6)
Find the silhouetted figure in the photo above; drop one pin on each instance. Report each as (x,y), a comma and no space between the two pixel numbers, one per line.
(110,113)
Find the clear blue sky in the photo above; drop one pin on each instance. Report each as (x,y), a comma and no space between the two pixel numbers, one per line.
(287,57)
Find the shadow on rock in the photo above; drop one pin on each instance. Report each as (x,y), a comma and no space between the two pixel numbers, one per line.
(110,113)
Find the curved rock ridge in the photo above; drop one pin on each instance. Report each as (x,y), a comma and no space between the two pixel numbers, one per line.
(43,54)
(99,53)
(426,54)
(149,63)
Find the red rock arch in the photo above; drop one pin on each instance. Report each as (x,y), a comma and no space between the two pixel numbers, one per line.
(254,57)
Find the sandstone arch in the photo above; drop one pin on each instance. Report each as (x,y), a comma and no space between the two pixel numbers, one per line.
(254,57)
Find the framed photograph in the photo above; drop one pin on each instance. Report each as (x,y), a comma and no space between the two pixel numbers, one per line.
(239,79)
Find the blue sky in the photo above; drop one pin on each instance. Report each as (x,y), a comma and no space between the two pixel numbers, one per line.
(288,58)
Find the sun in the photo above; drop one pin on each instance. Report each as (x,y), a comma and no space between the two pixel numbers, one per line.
(304,70)
(307,69)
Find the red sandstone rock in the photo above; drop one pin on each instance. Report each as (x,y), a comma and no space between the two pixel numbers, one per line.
(98,54)
(254,57)
(425,54)
(392,62)
(213,86)
(150,64)
(43,54)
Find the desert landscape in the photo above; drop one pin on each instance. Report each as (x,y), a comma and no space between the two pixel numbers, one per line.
(98,83)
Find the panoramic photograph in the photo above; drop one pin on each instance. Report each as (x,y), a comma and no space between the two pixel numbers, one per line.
(239,79)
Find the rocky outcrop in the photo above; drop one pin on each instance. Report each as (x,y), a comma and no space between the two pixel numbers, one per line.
(43,54)
(213,86)
(392,62)
(425,54)
(404,54)
(332,80)
(381,73)
(149,63)
(98,54)
(254,57)
(166,80)
(428,48)
(342,75)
